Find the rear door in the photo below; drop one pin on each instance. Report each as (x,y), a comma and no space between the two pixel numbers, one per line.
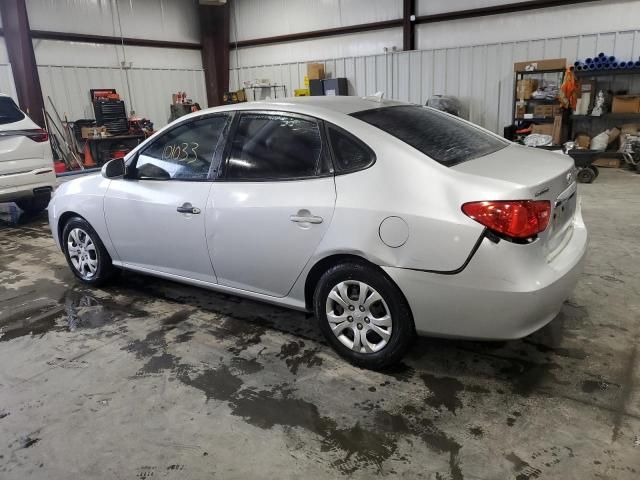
(23,144)
(274,203)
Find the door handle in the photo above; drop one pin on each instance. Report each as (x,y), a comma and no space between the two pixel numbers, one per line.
(188,208)
(305,219)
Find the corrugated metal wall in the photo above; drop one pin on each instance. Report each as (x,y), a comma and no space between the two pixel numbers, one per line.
(151,89)
(481,75)
(6,75)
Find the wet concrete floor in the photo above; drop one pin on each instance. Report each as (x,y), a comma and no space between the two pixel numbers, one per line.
(151,379)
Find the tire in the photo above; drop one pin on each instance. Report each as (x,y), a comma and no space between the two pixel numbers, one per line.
(586,175)
(595,170)
(373,351)
(88,259)
(35,204)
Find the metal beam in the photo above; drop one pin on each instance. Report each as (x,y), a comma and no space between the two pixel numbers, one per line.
(22,58)
(107,40)
(328,32)
(497,9)
(408,24)
(214,31)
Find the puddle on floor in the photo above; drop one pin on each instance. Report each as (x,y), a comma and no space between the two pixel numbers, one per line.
(76,311)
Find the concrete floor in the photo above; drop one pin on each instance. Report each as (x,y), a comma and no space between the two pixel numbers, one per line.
(151,379)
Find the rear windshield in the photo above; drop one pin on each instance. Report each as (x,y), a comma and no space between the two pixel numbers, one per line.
(445,139)
(9,112)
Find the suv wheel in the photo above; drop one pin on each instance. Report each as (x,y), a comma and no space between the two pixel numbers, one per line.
(35,204)
(363,315)
(88,259)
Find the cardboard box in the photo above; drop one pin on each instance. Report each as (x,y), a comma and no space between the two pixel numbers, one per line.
(607,162)
(540,65)
(87,132)
(525,87)
(315,71)
(630,128)
(521,109)
(557,110)
(543,129)
(583,140)
(626,104)
(543,111)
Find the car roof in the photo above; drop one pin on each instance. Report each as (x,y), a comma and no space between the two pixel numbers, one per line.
(315,106)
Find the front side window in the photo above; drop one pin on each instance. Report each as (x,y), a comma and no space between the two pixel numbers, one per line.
(9,112)
(183,153)
(445,139)
(274,147)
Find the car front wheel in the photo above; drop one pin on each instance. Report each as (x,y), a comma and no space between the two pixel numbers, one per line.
(363,315)
(88,259)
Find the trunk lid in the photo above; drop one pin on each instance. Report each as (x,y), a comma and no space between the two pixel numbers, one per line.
(534,174)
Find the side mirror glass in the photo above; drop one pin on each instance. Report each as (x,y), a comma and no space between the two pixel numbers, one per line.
(115,168)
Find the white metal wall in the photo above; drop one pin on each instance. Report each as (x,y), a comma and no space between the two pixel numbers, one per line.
(266,18)
(172,20)
(481,75)
(6,75)
(568,20)
(68,70)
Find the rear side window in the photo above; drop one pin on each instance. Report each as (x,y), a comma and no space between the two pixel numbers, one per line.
(349,153)
(274,147)
(9,111)
(445,139)
(183,153)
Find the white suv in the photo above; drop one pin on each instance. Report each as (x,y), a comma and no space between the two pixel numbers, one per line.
(27,175)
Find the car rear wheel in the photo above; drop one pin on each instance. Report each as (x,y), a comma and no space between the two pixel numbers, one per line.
(363,315)
(88,259)
(35,204)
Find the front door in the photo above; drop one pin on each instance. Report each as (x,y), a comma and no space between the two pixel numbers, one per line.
(156,216)
(273,205)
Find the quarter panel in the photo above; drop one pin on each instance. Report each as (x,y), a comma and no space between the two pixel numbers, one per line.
(84,196)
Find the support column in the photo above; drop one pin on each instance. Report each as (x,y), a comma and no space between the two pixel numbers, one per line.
(214,31)
(17,37)
(408,24)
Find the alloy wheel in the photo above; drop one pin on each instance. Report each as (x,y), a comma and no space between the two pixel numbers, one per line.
(359,317)
(83,253)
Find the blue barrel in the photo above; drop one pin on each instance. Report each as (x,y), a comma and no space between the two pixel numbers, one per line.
(589,61)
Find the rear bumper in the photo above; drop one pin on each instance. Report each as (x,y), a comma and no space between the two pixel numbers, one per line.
(22,185)
(506,291)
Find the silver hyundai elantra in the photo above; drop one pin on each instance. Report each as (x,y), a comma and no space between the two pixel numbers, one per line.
(384,218)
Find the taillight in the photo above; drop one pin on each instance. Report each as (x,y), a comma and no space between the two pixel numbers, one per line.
(513,218)
(37,135)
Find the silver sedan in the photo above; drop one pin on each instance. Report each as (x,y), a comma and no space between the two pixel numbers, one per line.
(384,218)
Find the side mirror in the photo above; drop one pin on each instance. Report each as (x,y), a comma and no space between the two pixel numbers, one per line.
(115,168)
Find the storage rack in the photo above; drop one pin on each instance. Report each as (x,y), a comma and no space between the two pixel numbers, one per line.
(520,75)
(594,125)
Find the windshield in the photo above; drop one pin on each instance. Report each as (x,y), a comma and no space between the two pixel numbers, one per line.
(446,139)
(9,112)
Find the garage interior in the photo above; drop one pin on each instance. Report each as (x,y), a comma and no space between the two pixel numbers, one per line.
(147,378)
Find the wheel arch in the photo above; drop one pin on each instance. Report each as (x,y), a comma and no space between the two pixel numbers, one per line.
(325,263)
(62,221)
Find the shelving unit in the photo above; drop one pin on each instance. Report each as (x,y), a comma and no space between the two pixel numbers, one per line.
(594,125)
(554,74)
